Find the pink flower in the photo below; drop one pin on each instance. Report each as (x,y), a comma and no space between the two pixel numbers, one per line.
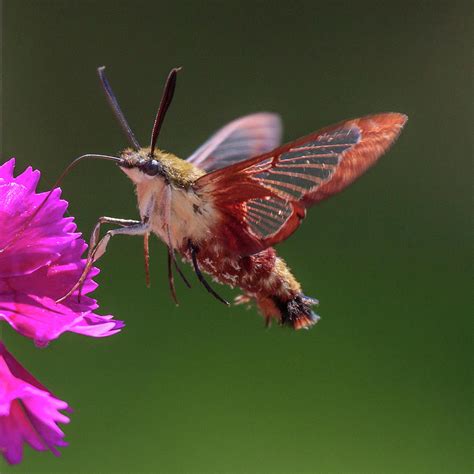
(42,264)
(29,413)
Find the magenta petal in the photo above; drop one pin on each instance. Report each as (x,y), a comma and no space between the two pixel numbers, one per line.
(6,169)
(30,247)
(42,319)
(29,413)
(40,263)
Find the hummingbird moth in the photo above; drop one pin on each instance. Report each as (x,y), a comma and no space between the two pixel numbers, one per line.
(225,207)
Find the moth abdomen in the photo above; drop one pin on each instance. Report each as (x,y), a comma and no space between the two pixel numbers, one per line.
(265,279)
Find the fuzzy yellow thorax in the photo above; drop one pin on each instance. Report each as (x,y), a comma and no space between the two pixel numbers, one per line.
(180,172)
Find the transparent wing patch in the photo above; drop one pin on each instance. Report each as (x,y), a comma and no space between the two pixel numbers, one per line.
(239,140)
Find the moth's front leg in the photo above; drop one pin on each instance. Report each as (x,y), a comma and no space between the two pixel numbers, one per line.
(107,220)
(98,247)
(129,227)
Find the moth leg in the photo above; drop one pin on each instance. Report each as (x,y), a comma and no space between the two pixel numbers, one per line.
(172,259)
(97,250)
(146,254)
(171,278)
(96,233)
(107,220)
(166,218)
(181,274)
(193,249)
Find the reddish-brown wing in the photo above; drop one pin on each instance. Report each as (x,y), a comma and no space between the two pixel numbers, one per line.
(263,200)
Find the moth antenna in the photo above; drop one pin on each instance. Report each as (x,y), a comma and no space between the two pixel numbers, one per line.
(112,100)
(166,98)
(68,169)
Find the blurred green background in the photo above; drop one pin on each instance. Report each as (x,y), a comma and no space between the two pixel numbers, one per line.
(383,383)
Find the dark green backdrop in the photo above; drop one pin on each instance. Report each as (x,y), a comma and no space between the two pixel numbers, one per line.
(382,384)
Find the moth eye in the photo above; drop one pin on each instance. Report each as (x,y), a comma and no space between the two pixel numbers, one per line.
(151,167)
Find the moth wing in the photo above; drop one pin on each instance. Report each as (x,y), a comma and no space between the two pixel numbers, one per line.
(239,140)
(262,201)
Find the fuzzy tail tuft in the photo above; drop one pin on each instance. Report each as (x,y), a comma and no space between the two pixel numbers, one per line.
(297,312)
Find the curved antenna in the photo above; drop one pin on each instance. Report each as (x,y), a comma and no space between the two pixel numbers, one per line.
(116,108)
(166,98)
(71,165)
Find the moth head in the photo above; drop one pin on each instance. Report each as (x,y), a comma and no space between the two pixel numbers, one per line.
(140,165)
